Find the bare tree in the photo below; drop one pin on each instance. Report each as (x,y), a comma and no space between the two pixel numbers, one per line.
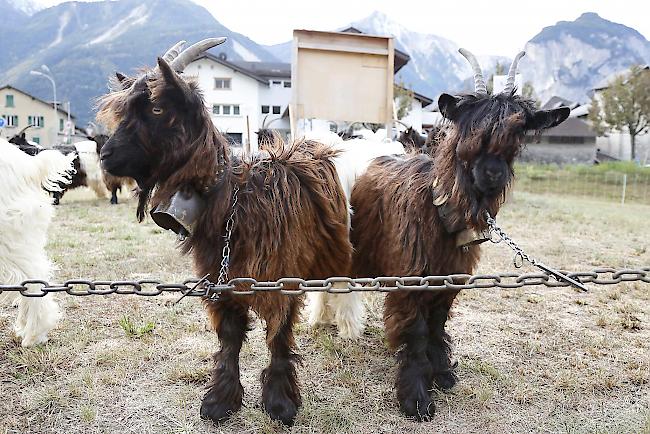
(624,105)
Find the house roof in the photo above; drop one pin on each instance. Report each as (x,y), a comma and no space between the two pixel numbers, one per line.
(36,99)
(572,127)
(557,101)
(266,69)
(401,58)
(425,100)
(234,66)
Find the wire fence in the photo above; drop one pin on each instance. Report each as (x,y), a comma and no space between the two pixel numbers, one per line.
(622,188)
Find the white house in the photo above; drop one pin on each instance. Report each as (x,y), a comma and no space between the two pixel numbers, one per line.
(244,96)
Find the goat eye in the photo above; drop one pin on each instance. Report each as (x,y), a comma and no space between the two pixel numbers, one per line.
(157,110)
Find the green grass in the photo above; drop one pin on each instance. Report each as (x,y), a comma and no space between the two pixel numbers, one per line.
(602,182)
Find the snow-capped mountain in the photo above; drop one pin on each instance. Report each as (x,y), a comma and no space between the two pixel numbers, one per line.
(570,58)
(435,64)
(83,43)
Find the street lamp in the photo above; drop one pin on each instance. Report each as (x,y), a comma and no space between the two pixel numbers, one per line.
(48,74)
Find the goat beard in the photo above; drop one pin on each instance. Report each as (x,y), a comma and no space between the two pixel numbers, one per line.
(144,196)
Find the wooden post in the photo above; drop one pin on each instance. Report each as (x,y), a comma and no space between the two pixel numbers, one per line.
(247,146)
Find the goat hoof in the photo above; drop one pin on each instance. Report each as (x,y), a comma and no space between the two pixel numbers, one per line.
(419,408)
(445,380)
(217,409)
(284,411)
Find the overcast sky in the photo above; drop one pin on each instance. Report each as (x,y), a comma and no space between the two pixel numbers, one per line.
(499,27)
(485,27)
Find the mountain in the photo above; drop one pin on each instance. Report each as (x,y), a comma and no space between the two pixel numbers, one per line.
(12,16)
(84,43)
(435,64)
(569,58)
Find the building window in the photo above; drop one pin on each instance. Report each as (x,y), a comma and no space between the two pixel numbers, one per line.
(61,124)
(9,101)
(287,84)
(36,140)
(226,109)
(276,109)
(10,120)
(277,82)
(222,83)
(36,121)
(265,109)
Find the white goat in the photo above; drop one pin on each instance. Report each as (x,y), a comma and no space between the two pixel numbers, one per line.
(24,220)
(347,311)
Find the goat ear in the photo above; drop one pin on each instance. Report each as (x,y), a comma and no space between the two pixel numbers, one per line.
(120,77)
(168,74)
(544,119)
(22,135)
(447,105)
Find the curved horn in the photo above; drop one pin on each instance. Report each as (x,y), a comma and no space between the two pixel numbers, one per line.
(188,55)
(402,123)
(479,82)
(173,52)
(264,122)
(24,129)
(510,82)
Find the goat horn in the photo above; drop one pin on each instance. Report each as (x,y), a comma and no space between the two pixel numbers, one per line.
(510,82)
(264,122)
(173,52)
(24,129)
(402,123)
(479,82)
(188,55)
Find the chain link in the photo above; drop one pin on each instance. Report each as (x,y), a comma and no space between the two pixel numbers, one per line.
(225,253)
(297,286)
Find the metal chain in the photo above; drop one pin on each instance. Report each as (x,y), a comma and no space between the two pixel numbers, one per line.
(288,285)
(519,253)
(225,253)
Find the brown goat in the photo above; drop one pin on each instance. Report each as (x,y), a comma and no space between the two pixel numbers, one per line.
(291,218)
(409,212)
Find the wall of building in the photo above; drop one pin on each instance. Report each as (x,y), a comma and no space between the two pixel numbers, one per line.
(275,95)
(557,153)
(244,91)
(25,106)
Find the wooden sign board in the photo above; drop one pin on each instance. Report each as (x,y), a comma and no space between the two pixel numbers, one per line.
(342,77)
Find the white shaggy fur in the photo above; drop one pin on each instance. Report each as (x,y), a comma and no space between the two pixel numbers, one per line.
(24,219)
(89,163)
(347,311)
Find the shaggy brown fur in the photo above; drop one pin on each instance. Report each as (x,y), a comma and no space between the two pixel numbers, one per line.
(396,228)
(290,220)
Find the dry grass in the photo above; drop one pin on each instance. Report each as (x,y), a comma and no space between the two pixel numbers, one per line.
(531,360)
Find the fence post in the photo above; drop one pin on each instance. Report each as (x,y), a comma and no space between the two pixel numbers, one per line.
(624,187)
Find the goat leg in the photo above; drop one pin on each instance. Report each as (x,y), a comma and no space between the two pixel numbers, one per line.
(407,329)
(439,345)
(225,392)
(280,390)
